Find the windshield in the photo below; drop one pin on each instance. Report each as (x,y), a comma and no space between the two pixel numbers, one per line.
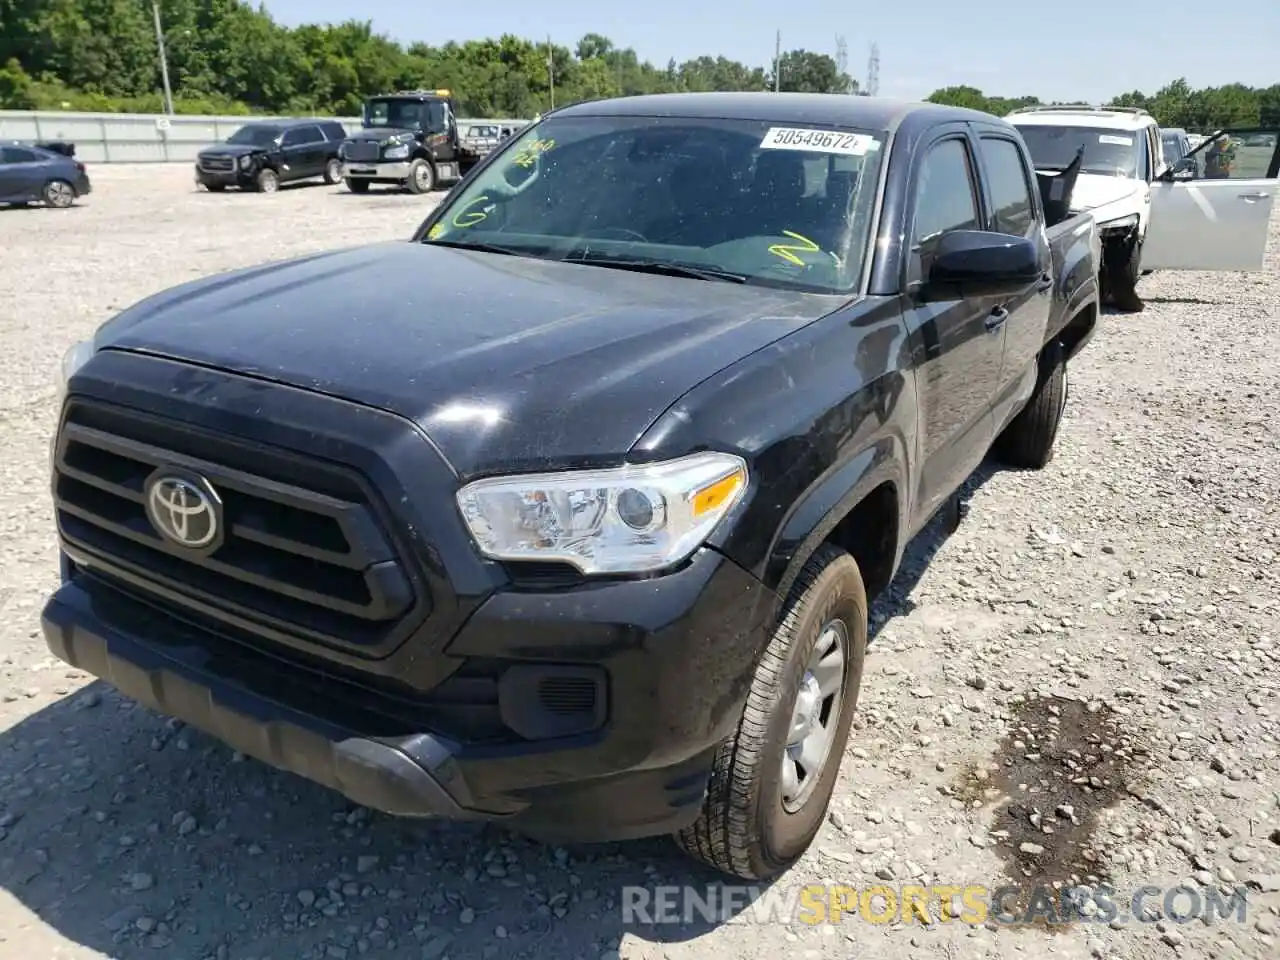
(399,114)
(1172,148)
(255,136)
(767,204)
(1112,153)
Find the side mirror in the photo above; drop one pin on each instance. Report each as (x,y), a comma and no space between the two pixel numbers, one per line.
(975,263)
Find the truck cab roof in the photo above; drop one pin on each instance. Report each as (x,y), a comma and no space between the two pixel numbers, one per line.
(414,95)
(287,124)
(1081,115)
(869,113)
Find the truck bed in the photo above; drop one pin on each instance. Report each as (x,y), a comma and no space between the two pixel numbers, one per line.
(1077,252)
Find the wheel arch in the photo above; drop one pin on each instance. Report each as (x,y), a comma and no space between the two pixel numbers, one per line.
(858,506)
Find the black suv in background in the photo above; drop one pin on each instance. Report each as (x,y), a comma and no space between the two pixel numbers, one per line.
(262,155)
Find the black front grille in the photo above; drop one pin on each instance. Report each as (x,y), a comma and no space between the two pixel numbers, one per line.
(303,552)
(362,151)
(217,164)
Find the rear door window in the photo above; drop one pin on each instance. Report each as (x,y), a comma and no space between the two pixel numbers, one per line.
(300,136)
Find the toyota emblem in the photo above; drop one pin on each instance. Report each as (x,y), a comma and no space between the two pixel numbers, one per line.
(183,511)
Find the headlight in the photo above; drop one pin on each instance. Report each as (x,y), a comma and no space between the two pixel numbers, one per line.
(630,519)
(246,162)
(1120,223)
(342,152)
(397,152)
(73,360)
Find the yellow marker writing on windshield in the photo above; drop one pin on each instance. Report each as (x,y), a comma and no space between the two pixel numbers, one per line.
(468,217)
(529,154)
(435,231)
(788,251)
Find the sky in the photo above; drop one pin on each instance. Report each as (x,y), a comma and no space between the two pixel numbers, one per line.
(1092,50)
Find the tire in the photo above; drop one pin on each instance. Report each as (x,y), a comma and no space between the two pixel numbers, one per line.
(58,194)
(1028,440)
(333,171)
(267,181)
(1121,281)
(357,186)
(422,177)
(215,187)
(747,828)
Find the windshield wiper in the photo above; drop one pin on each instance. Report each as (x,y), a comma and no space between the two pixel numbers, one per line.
(482,247)
(662,267)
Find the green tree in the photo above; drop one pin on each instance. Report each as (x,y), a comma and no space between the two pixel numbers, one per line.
(1174,105)
(802,71)
(970,98)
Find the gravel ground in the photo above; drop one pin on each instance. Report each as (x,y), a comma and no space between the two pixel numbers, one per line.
(1097,646)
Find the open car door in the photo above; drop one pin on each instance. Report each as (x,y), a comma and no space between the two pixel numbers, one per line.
(1212,210)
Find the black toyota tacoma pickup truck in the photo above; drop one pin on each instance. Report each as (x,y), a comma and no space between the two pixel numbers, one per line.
(589,555)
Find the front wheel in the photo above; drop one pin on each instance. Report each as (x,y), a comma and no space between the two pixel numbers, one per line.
(268,181)
(357,186)
(333,171)
(422,176)
(772,780)
(1121,270)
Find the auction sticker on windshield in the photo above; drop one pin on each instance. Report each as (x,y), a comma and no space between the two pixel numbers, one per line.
(818,141)
(1116,141)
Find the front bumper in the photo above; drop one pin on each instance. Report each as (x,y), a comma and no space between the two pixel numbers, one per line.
(677,654)
(236,177)
(388,170)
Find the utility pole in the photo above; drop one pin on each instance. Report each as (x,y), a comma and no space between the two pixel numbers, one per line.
(777,63)
(842,63)
(873,71)
(551,71)
(164,60)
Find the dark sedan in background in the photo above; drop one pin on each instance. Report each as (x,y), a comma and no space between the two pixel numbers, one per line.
(30,174)
(262,155)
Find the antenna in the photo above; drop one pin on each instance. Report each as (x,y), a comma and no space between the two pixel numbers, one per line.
(873,71)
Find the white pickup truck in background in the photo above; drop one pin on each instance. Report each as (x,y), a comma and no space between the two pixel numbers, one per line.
(1151,214)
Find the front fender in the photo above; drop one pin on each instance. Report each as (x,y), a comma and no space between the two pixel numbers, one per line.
(813,518)
(821,417)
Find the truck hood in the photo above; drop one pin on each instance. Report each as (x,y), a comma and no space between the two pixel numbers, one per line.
(230,150)
(1093,190)
(382,134)
(505,362)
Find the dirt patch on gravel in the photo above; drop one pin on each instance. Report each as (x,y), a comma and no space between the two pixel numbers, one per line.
(1062,763)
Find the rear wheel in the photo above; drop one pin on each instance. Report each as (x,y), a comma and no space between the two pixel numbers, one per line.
(422,176)
(268,181)
(772,780)
(59,193)
(357,186)
(333,171)
(1029,438)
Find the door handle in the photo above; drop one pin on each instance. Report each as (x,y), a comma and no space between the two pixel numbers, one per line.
(1044,283)
(1253,196)
(995,319)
